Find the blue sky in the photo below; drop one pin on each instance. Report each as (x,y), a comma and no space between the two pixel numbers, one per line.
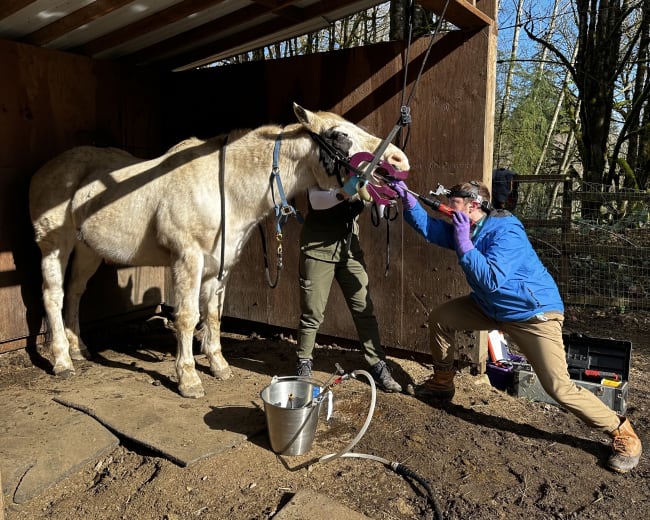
(540,12)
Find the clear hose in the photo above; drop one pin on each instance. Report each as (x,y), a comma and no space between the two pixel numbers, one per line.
(362,431)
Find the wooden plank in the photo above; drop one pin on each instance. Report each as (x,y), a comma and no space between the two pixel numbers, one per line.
(22,342)
(147,25)
(9,7)
(461,13)
(72,21)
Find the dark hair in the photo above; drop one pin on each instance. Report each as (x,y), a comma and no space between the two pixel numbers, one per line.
(475,190)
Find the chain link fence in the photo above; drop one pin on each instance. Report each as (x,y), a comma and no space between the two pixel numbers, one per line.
(594,239)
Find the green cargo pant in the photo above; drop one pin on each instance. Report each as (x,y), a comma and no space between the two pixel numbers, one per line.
(316,278)
(539,341)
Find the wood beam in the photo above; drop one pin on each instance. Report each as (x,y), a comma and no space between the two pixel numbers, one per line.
(158,51)
(462,13)
(205,31)
(75,19)
(149,24)
(9,7)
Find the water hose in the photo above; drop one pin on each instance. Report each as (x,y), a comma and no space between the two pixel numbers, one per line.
(398,468)
(362,431)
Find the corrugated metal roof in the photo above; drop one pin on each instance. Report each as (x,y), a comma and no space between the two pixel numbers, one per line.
(177,34)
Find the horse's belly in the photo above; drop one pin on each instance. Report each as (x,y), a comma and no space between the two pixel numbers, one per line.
(129,244)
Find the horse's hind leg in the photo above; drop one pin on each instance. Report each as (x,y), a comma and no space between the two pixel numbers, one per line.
(53,265)
(212,295)
(186,272)
(84,264)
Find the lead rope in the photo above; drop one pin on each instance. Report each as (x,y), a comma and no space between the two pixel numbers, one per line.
(222,190)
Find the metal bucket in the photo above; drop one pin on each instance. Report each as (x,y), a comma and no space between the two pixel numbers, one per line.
(291,413)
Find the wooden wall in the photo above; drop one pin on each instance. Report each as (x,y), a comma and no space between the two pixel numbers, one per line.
(52,101)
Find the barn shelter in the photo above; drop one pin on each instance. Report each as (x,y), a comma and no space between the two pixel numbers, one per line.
(120,73)
(123,73)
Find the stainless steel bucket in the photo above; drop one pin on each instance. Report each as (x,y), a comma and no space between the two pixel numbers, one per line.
(291,413)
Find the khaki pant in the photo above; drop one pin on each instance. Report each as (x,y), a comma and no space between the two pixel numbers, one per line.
(316,277)
(539,341)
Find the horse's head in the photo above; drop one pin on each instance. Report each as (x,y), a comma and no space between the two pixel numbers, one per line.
(345,149)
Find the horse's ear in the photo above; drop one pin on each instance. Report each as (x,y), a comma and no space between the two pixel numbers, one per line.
(303,115)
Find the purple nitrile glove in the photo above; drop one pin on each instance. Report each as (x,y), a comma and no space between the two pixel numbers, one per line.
(461,232)
(408,200)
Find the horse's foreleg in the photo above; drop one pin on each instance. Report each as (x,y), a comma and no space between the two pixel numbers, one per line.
(84,264)
(53,265)
(187,282)
(212,296)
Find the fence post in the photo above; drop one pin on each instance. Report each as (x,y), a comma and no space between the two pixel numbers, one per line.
(565,230)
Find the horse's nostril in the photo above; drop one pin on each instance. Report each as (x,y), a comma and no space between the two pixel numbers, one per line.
(399,160)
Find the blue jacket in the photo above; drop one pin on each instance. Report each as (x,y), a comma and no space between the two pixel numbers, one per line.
(507,278)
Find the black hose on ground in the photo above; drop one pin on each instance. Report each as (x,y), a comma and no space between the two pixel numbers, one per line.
(406,472)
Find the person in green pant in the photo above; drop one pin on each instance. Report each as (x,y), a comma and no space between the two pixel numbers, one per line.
(330,249)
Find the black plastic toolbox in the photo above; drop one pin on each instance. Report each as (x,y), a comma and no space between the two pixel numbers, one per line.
(599,365)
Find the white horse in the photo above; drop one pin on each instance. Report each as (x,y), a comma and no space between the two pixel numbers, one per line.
(104,204)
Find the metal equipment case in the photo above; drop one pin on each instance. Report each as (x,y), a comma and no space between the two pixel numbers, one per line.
(601,366)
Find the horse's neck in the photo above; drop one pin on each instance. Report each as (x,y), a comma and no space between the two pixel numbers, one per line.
(253,190)
(298,162)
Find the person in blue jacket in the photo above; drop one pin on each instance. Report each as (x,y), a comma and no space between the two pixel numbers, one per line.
(511,291)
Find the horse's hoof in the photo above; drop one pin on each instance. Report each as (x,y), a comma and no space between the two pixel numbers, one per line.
(222,375)
(192,392)
(80,355)
(65,373)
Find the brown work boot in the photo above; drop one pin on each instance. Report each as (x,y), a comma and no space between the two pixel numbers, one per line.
(439,386)
(626,447)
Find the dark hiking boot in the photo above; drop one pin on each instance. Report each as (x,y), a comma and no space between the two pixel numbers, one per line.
(626,447)
(381,374)
(440,386)
(303,367)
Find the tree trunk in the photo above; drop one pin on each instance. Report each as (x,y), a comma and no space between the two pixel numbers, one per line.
(638,131)
(401,12)
(556,115)
(551,27)
(597,65)
(398,20)
(506,92)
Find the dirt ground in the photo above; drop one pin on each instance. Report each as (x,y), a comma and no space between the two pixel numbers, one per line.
(487,455)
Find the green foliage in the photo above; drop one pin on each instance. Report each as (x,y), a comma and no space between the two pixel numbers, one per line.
(526,124)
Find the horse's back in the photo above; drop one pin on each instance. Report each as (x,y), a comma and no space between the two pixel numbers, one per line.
(55,183)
